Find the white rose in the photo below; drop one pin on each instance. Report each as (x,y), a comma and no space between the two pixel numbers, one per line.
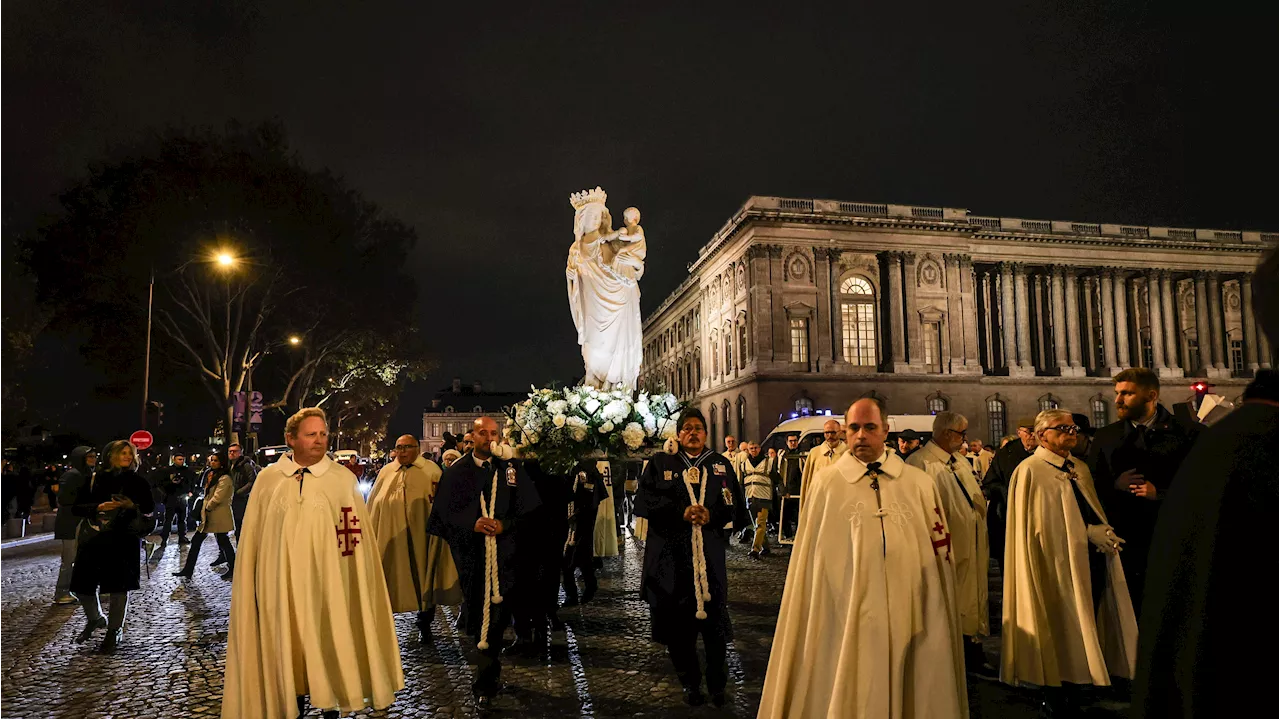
(669,428)
(579,434)
(650,425)
(643,406)
(575,422)
(616,411)
(557,406)
(606,428)
(558,421)
(591,405)
(573,400)
(633,435)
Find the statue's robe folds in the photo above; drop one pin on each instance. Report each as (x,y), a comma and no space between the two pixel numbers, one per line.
(868,624)
(309,608)
(418,566)
(605,304)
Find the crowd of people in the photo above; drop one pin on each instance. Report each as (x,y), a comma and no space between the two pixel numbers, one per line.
(1125,553)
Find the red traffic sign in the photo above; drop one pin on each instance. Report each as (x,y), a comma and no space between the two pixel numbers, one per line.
(141,439)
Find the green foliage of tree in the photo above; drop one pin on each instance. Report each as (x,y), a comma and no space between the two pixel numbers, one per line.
(313,259)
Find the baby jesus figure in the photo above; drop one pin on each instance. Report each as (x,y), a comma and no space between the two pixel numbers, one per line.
(627,246)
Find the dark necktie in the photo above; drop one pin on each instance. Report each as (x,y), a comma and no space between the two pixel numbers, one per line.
(1140,441)
(300,475)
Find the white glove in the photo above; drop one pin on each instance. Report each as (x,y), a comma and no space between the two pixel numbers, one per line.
(1104,538)
(671,446)
(502,451)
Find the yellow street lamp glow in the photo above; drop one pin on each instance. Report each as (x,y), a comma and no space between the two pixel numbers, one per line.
(295,340)
(225,259)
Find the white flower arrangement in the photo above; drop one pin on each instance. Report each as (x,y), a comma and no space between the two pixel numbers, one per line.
(561,427)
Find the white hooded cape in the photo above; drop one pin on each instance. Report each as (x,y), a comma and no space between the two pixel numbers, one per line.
(820,458)
(868,623)
(418,566)
(967,520)
(605,539)
(1051,633)
(309,607)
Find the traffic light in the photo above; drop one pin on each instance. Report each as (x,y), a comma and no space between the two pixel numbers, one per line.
(155,413)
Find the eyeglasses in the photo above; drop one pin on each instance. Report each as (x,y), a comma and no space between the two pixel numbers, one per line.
(400,447)
(1065,428)
(960,433)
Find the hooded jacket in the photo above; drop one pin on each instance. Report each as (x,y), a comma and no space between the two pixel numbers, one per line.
(72,482)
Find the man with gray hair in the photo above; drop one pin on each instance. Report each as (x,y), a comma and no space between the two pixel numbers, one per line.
(943,460)
(1067,617)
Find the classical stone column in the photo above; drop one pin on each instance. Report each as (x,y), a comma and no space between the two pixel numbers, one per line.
(1091,359)
(1264,350)
(1136,355)
(1122,319)
(896,329)
(1061,326)
(1022,319)
(1072,309)
(1170,328)
(1040,350)
(1155,322)
(969,306)
(1008,318)
(956,319)
(1109,344)
(1250,325)
(1203,339)
(1215,323)
(988,347)
(915,353)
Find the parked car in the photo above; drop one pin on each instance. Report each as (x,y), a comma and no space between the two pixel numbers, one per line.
(810,429)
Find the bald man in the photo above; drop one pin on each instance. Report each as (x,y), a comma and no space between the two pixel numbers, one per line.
(822,456)
(482,496)
(420,572)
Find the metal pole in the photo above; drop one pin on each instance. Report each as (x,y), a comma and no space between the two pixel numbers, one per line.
(146,371)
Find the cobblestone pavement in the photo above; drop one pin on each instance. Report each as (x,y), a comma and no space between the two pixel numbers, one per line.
(603,665)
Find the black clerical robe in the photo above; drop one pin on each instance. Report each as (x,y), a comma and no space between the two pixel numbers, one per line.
(454,515)
(588,489)
(1208,613)
(667,581)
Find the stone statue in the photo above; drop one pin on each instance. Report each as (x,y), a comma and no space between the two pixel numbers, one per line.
(603,272)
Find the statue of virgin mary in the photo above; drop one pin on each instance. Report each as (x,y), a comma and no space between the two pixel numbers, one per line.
(604,295)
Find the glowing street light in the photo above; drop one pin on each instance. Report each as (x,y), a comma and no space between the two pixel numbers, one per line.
(225,259)
(295,340)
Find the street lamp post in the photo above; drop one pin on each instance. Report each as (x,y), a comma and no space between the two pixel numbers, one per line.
(146,367)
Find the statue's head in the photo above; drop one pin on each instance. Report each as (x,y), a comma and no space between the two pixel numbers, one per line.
(589,210)
(631,216)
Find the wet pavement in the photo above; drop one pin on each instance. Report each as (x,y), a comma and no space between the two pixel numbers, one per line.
(602,665)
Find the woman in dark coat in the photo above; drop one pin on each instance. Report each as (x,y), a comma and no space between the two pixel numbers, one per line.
(119,510)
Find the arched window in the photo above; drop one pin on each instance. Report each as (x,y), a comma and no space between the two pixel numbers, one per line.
(448,409)
(936,403)
(1098,407)
(712,429)
(715,354)
(728,415)
(479,409)
(996,423)
(742,340)
(742,418)
(697,368)
(1048,401)
(858,321)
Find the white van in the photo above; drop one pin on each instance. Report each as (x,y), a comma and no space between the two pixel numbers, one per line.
(810,429)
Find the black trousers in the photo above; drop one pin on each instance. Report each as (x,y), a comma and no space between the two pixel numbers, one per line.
(538,588)
(177,508)
(589,583)
(682,647)
(239,503)
(224,545)
(489,668)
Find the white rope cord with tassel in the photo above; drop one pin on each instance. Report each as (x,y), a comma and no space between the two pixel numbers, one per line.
(701,587)
(492,595)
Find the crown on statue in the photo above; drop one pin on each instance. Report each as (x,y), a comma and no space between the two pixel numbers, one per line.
(580,200)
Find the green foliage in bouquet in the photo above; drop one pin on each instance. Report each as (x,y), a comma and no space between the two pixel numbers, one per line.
(560,427)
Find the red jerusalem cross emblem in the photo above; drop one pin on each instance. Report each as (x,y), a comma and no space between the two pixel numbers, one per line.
(348,533)
(945,541)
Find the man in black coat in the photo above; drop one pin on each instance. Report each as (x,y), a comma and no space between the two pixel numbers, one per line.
(243,473)
(482,496)
(995,485)
(539,557)
(175,484)
(672,570)
(1133,461)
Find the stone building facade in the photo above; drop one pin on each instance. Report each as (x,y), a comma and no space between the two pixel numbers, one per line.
(800,305)
(454,408)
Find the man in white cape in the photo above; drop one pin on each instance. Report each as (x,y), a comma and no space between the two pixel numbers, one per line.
(309,609)
(966,509)
(822,456)
(1067,614)
(418,566)
(868,623)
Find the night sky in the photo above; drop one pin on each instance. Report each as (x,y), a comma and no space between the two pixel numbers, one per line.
(474,124)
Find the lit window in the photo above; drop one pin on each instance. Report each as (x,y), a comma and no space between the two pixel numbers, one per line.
(435,429)
(1099,409)
(800,340)
(995,419)
(742,341)
(1193,353)
(858,321)
(936,404)
(1048,402)
(1237,355)
(728,352)
(932,343)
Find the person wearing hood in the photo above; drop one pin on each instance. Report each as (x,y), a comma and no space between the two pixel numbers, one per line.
(70,485)
(119,511)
